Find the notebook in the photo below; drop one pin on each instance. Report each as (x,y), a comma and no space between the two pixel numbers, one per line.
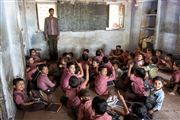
(113,102)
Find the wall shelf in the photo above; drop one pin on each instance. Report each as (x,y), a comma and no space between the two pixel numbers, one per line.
(148,20)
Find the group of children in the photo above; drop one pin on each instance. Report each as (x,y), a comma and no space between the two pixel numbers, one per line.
(133,73)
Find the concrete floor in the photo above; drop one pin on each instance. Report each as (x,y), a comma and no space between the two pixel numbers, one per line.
(170,110)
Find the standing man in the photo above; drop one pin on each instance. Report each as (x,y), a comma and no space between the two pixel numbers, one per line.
(51,34)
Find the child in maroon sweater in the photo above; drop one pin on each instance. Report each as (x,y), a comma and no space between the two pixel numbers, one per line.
(23,102)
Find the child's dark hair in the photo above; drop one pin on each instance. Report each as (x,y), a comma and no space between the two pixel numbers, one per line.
(99,105)
(74,82)
(105,59)
(30,51)
(177,63)
(154,60)
(160,51)
(84,93)
(16,80)
(86,50)
(118,46)
(116,62)
(140,72)
(85,57)
(98,52)
(71,54)
(51,9)
(132,55)
(140,110)
(64,54)
(41,66)
(170,56)
(158,78)
(101,67)
(69,64)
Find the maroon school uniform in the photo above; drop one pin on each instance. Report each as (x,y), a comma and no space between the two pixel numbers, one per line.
(101,83)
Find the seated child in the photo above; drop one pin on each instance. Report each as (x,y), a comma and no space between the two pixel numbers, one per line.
(118,71)
(166,63)
(94,69)
(155,100)
(22,100)
(85,109)
(152,68)
(31,67)
(140,111)
(57,72)
(137,79)
(72,92)
(102,79)
(115,54)
(35,55)
(43,81)
(93,72)
(99,55)
(99,106)
(159,56)
(68,72)
(175,81)
(107,64)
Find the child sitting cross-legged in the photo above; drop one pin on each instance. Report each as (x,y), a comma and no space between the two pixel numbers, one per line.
(24,102)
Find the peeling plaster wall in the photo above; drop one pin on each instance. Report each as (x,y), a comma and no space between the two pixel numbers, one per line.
(76,41)
(168,21)
(168,37)
(11,54)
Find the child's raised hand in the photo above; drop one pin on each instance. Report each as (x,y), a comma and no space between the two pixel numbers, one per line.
(78,63)
(120,96)
(131,65)
(87,66)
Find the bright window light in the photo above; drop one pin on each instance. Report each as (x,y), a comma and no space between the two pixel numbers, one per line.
(116,16)
(43,12)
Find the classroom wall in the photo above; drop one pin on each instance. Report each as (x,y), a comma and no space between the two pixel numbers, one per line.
(76,41)
(168,21)
(11,54)
(169,28)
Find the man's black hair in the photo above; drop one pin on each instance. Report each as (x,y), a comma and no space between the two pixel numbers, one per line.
(51,9)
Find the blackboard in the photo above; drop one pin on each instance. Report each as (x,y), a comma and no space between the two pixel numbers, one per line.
(82,16)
